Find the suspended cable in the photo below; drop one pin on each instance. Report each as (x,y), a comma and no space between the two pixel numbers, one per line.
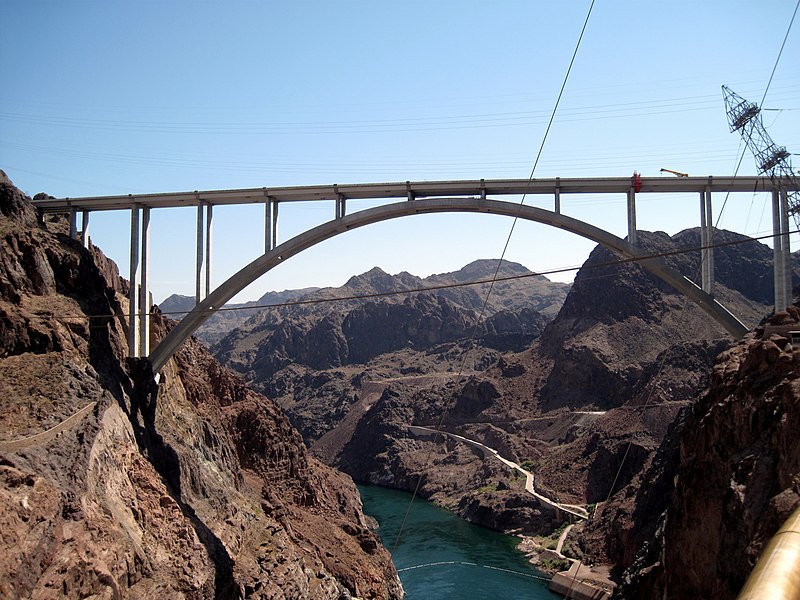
(495,276)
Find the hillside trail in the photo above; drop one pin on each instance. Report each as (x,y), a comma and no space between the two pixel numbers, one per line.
(49,434)
(485,450)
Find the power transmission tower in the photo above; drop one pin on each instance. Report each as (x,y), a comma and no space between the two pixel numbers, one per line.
(772,160)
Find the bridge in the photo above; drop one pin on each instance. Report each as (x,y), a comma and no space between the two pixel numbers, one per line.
(425,197)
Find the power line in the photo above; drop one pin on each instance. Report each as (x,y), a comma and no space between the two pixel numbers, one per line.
(438,427)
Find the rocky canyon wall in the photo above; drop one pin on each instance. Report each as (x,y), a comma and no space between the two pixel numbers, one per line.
(112,486)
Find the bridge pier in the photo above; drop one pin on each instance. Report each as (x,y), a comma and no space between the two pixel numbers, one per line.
(75,233)
(73,223)
(706,241)
(780,250)
(270,223)
(341,202)
(85,230)
(144,286)
(133,296)
(205,214)
(557,197)
(209,216)
(139,293)
(632,216)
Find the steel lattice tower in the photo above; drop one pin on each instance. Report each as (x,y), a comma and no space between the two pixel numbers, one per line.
(771,160)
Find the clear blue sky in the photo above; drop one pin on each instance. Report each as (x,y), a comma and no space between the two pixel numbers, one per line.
(109,97)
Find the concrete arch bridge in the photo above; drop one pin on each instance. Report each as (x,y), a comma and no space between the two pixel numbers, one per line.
(416,198)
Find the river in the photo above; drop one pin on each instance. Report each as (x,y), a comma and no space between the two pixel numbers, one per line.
(441,556)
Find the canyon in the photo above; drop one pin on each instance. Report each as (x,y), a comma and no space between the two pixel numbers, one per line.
(231,473)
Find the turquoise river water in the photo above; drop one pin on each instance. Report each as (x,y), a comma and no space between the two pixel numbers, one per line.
(441,556)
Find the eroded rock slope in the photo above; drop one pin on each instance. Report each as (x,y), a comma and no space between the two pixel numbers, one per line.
(112,487)
(730,478)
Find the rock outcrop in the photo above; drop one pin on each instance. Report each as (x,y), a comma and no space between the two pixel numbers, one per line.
(114,487)
(736,474)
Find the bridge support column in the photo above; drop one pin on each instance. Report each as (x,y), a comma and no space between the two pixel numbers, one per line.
(85,230)
(557,199)
(632,216)
(706,242)
(780,250)
(209,217)
(144,286)
(133,293)
(341,206)
(198,291)
(73,223)
(203,282)
(269,240)
(787,253)
(274,225)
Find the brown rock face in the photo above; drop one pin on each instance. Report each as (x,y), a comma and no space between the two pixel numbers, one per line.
(112,487)
(738,474)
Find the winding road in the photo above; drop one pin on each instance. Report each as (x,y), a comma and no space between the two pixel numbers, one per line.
(578,511)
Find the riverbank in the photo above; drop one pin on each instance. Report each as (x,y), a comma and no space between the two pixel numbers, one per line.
(568,574)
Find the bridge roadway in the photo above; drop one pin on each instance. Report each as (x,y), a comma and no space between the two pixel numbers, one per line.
(410,190)
(423,197)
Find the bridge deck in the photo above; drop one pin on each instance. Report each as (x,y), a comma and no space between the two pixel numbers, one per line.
(412,189)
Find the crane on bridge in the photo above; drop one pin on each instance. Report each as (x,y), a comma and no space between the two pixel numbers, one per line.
(771,160)
(676,173)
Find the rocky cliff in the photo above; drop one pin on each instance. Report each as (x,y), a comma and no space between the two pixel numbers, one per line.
(728,479)
(115,487)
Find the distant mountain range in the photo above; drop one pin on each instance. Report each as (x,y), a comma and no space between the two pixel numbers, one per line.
(529,291)
(220,323)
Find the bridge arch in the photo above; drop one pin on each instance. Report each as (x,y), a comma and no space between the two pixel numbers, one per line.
(261,265)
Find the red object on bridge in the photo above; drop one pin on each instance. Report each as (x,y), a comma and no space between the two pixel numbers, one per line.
(636,182)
